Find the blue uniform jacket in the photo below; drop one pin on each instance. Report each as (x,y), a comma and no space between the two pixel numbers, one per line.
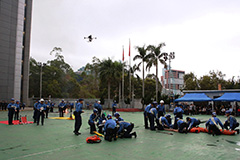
(232,121)
(93,118)
(61,105)
(161,108)
(41,105)
(114,105)
(164,121)
(153,111)
(17,106)
(79,107)
(216,120)
(110,124)
(192,121)
(11,105)
(123,125)
(147,109)
(179,122)
(35,105)
(95,105)
(119,119)
(178,110)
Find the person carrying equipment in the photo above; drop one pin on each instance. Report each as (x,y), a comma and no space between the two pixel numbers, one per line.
(231,121)
(178,111)
(146,115)
(41,107)
(128,127)
(212,125)
(101,123)
(78,118)
(162,123)
(161,109)
(11,109)
(93,120)
(193,122)
(110,129)
(17,110)
(114,106)
(118,118)
(62,107)
(152,115)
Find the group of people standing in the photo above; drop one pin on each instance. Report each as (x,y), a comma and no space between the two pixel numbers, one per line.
(155,113)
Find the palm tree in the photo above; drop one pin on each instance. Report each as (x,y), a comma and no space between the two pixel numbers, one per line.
(109,71)
(153,57)
(142,55)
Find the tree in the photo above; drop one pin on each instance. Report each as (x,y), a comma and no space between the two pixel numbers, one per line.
(109,72)
(153,57)
(190,82)
(142,56)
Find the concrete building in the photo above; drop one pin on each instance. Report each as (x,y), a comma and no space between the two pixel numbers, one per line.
(172,83)
(15,29)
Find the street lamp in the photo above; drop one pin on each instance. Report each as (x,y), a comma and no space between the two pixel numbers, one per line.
(41,65)
(169,57)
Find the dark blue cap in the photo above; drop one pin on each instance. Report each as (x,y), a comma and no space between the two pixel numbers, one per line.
(12,99)
(80,99)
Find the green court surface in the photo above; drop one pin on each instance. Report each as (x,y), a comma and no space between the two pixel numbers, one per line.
(55,140)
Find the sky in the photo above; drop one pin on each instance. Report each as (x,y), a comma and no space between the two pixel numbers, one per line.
(205,35)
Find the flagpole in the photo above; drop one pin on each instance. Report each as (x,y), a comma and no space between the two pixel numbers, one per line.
(130,84)
(123,79)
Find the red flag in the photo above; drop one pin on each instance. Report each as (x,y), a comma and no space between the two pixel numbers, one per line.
(123,54)
(129,47)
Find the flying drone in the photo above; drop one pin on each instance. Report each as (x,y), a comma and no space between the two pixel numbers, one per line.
(90,38)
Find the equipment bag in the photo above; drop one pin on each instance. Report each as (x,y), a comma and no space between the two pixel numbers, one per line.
(93,139)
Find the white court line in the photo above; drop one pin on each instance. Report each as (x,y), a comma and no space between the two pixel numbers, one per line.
(48,151)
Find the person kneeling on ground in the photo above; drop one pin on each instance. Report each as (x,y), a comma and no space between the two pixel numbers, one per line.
(182,126)
(152,115)
(193,122)
(125,129)
(118,118)
(110,128)
(212,125)
(100,123)
(231,121)
(92,120)
(162,122)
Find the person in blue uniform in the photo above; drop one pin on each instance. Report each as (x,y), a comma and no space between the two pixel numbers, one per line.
(146,115)
(114,106)
(152,116)
(62,107)
(17,110)
(118,118)
(47,107)
(99,109)
(51,106)
(11,109)
(110,129)
(41,108)
(182,125)
(93,120)
(78,118)
(161,109)
(162,122)
(231,121)
(125,129)
(192,122)
(35,111)
(178,112)
(100,123)
(212,125)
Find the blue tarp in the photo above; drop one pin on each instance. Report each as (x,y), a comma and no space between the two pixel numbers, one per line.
(231,97)
(194,97)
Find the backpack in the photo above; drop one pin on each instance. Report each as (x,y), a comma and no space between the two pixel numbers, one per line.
(93,139)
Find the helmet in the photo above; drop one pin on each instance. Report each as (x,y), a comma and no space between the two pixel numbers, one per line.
(214,113)
(12,99)
(41,100)
(104,121)
(95,111)
(116,114)
(161,101)
(109,116)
